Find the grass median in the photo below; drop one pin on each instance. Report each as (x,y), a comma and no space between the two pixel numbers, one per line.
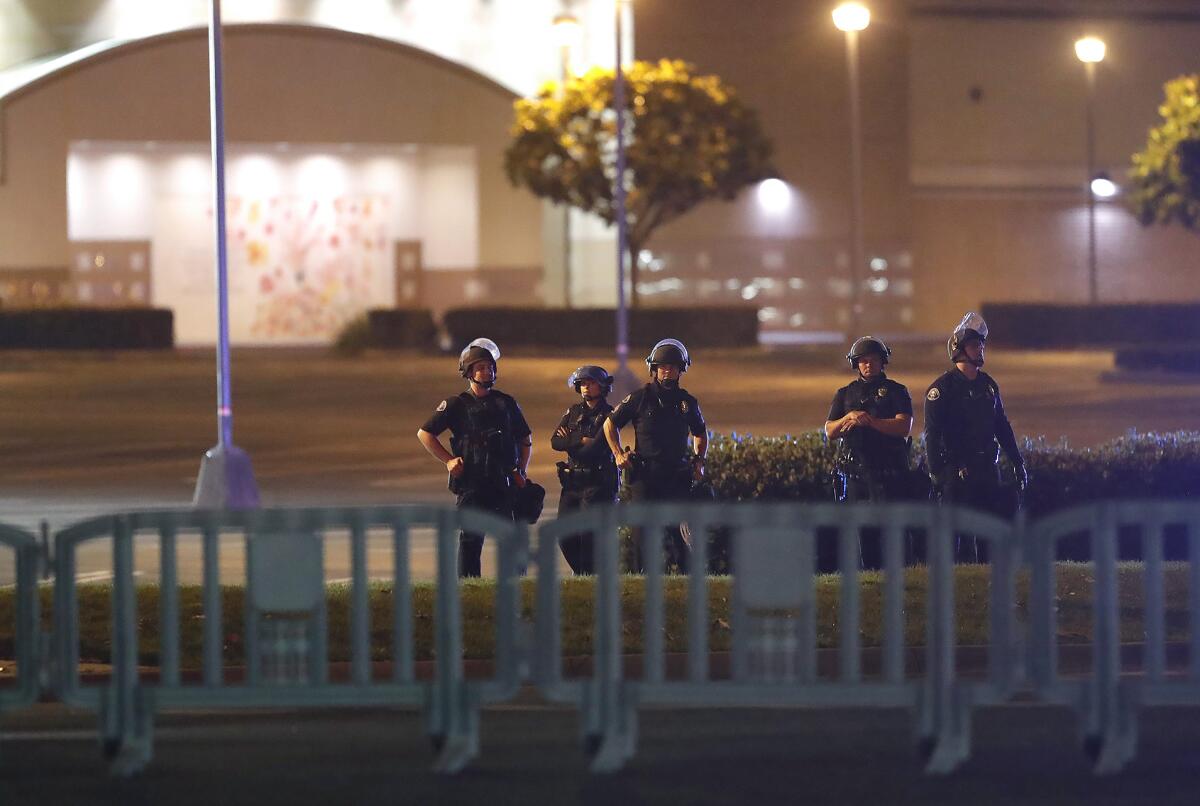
(1074,586)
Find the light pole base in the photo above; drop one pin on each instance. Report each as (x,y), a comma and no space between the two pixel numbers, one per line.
(625,383)
(226,480)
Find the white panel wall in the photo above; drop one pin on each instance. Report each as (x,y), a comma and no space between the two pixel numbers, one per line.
(309,230)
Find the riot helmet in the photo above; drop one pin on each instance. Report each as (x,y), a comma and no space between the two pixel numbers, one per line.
(972,327)
(476,351)
(669,351)
(591,372)
(866,345)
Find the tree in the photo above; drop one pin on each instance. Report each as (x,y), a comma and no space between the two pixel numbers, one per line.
(1166,173)
(688,139)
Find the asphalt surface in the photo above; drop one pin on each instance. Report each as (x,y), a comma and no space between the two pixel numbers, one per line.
(89,434)
(1023,754)
(85,434)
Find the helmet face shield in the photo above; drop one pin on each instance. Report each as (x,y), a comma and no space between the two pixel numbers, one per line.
(476,351)
(971,328)
(669,351)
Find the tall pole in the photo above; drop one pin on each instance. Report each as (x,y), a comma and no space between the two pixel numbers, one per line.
(623,375)
(851,18)
(1090,50)
(857,250)
(226,479)
(1093,279)
(565,56)
(217,132)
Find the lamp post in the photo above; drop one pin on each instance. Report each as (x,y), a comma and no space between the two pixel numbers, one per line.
(226,480)
(850,18)
(623,379)
(566,29)
(1090,50)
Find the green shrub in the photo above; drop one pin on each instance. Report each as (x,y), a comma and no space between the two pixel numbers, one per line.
(798,468)
(354,338)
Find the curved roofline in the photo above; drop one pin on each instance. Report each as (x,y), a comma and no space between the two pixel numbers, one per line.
(112,48)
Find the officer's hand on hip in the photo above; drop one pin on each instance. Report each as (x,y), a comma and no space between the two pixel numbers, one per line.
(519,479)
(698,468)
(456,466)
(963,473)
(1021,475)
(561,431)
(622,459)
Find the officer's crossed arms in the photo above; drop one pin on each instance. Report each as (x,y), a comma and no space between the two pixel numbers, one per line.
(870,367)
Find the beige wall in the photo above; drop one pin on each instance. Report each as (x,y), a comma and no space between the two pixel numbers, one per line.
(999,207)
(282,83)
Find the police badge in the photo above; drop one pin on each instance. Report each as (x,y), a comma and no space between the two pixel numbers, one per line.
(934,394)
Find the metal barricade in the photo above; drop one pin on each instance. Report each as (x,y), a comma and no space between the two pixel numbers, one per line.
(1106,702)
(295,673)
(27,645)
(774,606)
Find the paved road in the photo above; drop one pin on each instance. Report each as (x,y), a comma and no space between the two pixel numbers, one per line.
(530,754)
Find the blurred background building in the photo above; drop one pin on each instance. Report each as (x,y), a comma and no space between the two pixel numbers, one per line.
(366,144)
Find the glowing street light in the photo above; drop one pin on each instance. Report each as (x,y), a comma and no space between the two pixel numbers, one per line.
(1103,187)
(851,18)
(1090,50)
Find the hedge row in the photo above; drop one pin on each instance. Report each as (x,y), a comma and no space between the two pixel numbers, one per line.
(596,327)
(1051,326)
(401,327)
(88,329)
(1165,359)
(799,468)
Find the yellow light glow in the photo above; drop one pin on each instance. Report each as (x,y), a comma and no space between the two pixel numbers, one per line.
(567,30)
(1090,50)
(851,17)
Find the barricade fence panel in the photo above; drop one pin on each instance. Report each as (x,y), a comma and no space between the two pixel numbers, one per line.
(773,622)
(264,597)
(285,620)
(21,557)
(1109,693)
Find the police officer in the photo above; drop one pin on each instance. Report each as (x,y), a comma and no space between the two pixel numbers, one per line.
(589,476)
(965,424)
(490,445)
(870,418)
(663,416)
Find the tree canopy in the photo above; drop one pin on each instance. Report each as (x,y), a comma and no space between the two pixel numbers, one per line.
(1166,173)
(688,139)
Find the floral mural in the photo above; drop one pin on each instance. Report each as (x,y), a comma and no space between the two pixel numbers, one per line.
(307,265)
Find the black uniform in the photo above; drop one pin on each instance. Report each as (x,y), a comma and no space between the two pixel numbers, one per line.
(486,432)
(588,477)
(965,424)
(662,419)
(872,466)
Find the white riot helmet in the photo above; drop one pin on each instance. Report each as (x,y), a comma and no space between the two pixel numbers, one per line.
(476,351)
(972,327)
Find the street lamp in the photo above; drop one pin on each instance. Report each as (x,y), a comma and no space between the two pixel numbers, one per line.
(1090,50)
(566,30)
(850,18)
(226,480)
(623,379)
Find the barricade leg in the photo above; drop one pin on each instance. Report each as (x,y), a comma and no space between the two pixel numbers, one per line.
(609,712)
(127,731)
(453,716)
(944,720)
